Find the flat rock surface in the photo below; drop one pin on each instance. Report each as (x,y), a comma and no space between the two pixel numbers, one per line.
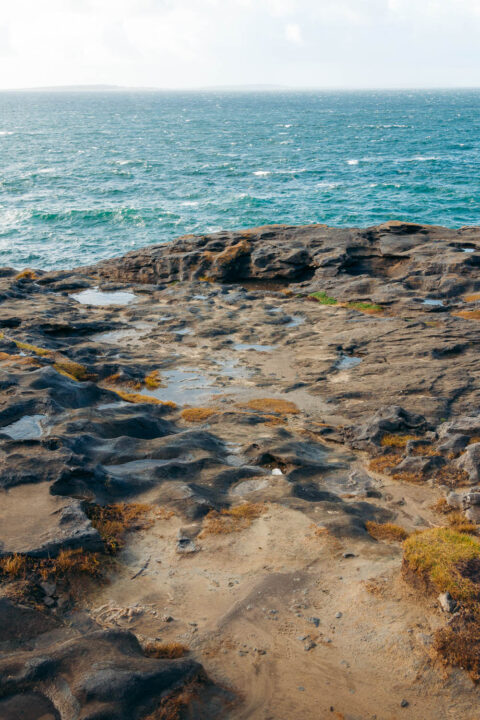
(260,369)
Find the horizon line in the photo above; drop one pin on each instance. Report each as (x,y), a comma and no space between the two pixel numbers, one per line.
(240,87)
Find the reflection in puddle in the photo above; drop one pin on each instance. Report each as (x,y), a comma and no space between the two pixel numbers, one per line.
(346,362)
(94,296)
(184,387)
(27,428)
(432,301)
(295,321)
(231,368)
(253,346)
(136,466)
(468,249)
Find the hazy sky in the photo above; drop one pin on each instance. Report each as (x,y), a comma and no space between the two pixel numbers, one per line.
(192,43)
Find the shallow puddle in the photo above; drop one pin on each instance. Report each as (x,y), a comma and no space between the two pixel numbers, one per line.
(94,296)
(468,249)
(254,346)
(295,321)
(184,387)
(346,362)
(138,467)
(27,428)
(432,301)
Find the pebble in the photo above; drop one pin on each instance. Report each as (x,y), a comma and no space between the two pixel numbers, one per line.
(404,703)
(309,645)
(314,620)
(338,615)
(48,588)
(349,555)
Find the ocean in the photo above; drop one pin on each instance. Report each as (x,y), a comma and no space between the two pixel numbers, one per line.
(90,175)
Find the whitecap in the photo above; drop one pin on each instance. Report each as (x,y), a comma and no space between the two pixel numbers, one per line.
(352,162)
(261,173)
(191,203)
(6,132)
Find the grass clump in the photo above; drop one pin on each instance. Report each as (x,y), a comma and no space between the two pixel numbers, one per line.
(73,370)
(386,531)
(152,380)
(396,440)
(445,560)
(384,463)
(365,307)
(113,521)
(233,519)
(468,314)
(171,650)
(197,414)
(27,274)
(72,562)
(13,566)
(138,398)
(458,644)
(178,705)
(457,521)
(32,348)
(474,297)
(323,298)
(442,507)
(273,405)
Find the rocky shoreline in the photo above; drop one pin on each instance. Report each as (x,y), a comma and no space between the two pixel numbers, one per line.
(204,446)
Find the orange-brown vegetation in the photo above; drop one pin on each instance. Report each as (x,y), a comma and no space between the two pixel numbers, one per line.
(169,650)
(396,440)
(113,521)
(153,380)
(27,274)
(386,531)
(273,405)
(232,519)
(197,414)
(138,398)
(468,314)
(73,370)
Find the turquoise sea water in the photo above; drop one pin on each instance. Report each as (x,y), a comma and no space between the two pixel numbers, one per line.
(84,176)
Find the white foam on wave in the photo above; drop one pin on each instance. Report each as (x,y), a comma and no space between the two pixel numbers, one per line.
(352,162)
(261,173)
(6,132)
(191,203)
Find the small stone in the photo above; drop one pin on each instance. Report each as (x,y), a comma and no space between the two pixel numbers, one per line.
(404,703)
(447,603)
(302,689)
(338,615)
(48,588)
(277,471)
(302,637)
(349,555)
(167,618)
(309,645)
(314,620)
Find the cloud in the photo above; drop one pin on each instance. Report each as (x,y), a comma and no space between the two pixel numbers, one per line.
(293,33)
(184,43)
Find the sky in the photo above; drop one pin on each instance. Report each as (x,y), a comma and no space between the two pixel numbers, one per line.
(199,43)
